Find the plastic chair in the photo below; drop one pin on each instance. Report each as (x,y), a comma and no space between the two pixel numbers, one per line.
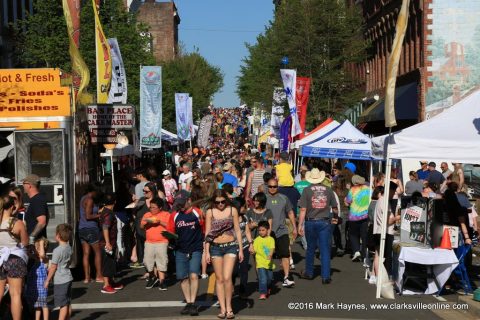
(461,270)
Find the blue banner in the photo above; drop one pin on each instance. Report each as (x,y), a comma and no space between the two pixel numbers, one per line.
(285,133)
(315,152)
(151,107)
(183,116)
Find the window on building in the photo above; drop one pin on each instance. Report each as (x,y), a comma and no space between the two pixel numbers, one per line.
(41,159)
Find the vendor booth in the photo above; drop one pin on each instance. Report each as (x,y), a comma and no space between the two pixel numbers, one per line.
(317,133)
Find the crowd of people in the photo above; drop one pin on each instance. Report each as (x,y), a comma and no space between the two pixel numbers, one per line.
(227,206)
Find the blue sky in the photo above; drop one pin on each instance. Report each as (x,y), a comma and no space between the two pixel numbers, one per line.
(219,29)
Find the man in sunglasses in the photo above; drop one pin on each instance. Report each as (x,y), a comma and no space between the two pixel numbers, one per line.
(281,210)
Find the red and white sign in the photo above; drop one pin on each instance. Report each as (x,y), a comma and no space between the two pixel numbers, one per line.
(105,120)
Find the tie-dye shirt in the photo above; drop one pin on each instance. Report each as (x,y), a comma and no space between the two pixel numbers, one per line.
(359,199)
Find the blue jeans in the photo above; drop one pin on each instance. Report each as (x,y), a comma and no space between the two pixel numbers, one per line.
(318,234)
(265,277)
(241,269)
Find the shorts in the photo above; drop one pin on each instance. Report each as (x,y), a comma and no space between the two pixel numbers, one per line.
(62,294)
(89,235)
(14,267)
(187,264)
(220,250)
(109,264)
(156,254)
(282,246)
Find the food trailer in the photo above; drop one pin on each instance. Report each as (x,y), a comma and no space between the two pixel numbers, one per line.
(40,135)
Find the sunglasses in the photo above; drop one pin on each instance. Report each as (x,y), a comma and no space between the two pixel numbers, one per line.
(273,187)
(146,191)
(220,202)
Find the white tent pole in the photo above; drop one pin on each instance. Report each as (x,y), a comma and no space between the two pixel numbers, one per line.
(371,180)
(113,169)
(386,210)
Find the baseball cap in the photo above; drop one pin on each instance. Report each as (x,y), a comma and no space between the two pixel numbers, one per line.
(432,164)
(181,199)
(350,166)
(32,179)
(166,173)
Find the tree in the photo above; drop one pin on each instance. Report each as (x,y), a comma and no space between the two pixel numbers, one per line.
(322,39)
(189,73)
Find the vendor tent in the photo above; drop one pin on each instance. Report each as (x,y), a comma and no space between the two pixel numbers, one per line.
(344,142)
(453,135)
(170,137)
(325,127)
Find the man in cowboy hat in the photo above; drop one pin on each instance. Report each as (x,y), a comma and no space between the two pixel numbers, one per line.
(316,203)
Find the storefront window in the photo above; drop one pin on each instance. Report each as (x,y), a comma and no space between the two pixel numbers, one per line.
(41,159)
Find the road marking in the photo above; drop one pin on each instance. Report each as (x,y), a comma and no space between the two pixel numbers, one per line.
(139,304)
(440,298)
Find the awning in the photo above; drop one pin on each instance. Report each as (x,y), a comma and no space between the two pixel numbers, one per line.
(406,105)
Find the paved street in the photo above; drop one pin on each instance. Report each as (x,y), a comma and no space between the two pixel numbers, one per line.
(348,290)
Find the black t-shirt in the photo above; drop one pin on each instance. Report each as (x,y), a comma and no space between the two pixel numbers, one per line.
(38,207)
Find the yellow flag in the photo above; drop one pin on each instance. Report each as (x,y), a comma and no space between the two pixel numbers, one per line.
(79,67)
(104,60)
(392,68)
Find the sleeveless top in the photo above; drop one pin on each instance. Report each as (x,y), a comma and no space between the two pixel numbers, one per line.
(455,176)
(84,223)
(221,226)
(6,238)
(257,180)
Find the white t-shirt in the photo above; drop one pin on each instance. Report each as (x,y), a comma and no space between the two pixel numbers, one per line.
(183,179)
(177,160)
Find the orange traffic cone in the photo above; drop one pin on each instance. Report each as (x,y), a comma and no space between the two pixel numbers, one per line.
(446,243)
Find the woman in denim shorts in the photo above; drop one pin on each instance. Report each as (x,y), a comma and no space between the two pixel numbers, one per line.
(222,228)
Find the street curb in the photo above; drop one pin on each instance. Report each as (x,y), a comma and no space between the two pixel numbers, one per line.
(473,306)
(245,317)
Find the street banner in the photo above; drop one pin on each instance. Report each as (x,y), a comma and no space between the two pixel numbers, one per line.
(276,119)
(151,107)
(301,98)
(285,134)
(264,123)
(289,78)
(118,88)
(103,60)
(81,74)
(190,117)
(183,122)
(106,120)
(393,61)
(204,131)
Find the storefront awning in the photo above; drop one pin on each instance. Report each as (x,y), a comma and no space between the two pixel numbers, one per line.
(406,106)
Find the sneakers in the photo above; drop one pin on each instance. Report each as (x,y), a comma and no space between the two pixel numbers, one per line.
(263,296)
(186,310)
(108,290)
(163,286)
(356,256)
(372,280)
(136,265)
(366,263)
(204,276)
(193,310)
(152,281)
(288,282)
(117,286)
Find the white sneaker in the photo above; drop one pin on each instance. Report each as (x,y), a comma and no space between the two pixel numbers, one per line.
(372,280)
(356,256)
(366,263)
(288,283)
(204,276)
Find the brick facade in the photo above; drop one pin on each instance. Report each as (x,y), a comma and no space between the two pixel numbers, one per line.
(163,19)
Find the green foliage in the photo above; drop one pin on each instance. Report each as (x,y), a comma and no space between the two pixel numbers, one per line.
(189,73)
(321,38)
(41,38)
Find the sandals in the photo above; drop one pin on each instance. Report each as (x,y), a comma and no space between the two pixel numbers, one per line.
(222,315)
(230,315)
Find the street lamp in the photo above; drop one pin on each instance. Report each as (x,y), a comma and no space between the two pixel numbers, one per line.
(285,61)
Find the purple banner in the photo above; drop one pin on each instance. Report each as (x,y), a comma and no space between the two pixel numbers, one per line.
(284,133)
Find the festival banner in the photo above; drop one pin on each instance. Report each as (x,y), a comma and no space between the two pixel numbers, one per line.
(204,131)
(289,78)
(190,117)
(103,59)
(151,107)
(118,88)
(183,121)
(276,118)
(301,98)
(81,74)
(393,61)
(285,134)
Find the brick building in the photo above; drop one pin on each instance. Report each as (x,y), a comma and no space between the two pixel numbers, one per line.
(380,18)
(163,19)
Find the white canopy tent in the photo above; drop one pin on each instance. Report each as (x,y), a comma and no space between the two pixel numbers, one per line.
(343,142)
(453,135)
(170,137)
(315,135)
